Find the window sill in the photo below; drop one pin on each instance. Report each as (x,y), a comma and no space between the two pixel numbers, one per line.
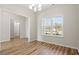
(52,35)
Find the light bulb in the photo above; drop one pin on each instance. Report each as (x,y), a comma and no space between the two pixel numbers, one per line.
(30,6)
(35,9)
(39,5)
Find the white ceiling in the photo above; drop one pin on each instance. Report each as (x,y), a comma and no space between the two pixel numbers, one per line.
(44,6)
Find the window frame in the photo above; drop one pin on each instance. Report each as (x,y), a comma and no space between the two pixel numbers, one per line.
(42,29)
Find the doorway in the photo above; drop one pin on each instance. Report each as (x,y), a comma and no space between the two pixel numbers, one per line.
(19,27)
(17,30)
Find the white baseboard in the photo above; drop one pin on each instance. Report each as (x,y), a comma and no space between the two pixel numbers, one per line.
(30,40)
(4,40)
(58,44)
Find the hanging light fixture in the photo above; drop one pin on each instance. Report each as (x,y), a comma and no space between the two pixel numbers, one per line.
(35,7)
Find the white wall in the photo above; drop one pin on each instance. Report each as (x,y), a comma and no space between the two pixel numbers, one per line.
(5,26)
(33,28)
(24,12)
(0,29)
(78,28)
(69,13)
(23,28)
(0,25)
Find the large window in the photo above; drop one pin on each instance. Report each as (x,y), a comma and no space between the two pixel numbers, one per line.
(52,26)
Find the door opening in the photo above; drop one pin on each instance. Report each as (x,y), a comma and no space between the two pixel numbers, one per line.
(19,27)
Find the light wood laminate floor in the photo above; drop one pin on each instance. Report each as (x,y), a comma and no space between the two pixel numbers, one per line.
(22,47)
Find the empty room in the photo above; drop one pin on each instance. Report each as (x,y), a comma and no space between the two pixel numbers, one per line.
(39,29)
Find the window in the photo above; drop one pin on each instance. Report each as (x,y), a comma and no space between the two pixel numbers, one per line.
(52,26)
